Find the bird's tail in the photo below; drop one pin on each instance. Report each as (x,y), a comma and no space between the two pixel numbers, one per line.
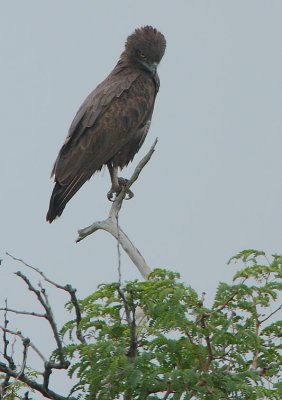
(57,205)
(61,195)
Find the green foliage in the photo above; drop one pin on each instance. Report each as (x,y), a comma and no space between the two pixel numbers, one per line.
(156,339)
(15,389)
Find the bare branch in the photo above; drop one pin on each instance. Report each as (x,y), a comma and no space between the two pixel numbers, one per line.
(40,294)
(110,225)
(36,270)
(6,341)
(7,357)
(119,253)
(141,165)
(48,365)
(270,315)
(67,288)
(31,313)
(10,369)
(46,375)
(23,339)
(49,394)
(76,305)
(26,344)
(43,300)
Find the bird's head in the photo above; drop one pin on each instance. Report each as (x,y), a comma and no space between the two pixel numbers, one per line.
(146,47)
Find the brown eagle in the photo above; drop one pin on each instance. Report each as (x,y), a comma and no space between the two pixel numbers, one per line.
(112,123)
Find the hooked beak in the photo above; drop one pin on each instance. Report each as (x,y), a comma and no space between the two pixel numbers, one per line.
(153,68)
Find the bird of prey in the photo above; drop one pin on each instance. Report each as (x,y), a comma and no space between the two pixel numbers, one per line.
(112,123)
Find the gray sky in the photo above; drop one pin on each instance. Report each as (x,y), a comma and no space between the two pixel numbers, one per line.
(213,186)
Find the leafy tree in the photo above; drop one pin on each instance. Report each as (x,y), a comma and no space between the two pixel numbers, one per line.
(157,339)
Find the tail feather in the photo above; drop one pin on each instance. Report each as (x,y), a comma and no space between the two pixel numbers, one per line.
(61,195)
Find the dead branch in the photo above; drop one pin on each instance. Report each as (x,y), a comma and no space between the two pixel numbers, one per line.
(111,226)
(23,339)
(46,392)
(36,270)
(31,313)
(76,305)
(43,300)
(7,357)
(6,341)
(67,288)
(18,372)
(26,344)
(13,371)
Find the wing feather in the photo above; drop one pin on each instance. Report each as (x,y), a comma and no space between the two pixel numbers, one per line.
(113,114)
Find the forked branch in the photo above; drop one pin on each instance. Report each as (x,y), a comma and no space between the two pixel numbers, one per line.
(9,367)
(111,225)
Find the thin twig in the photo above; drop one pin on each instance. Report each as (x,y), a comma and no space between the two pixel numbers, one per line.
(270,315)
(76,305)
(36,270)
(23,339)
(9,358)
(6,341)
(118,252)
(31,313)
(47,308)
(43,300)
(67,288)
(46,375)
(26,344)
(47,393)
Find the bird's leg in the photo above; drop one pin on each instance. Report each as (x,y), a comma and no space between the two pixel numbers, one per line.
(114,179)
(117,183)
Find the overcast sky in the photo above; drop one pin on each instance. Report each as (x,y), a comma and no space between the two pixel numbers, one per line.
(213,186)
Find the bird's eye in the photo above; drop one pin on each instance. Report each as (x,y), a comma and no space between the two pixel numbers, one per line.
(141,55)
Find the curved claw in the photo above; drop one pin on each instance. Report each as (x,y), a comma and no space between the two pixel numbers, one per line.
(110,196)
(128,195)
(116,190)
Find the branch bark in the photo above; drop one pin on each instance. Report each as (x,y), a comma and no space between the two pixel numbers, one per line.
(43,300)
(48,393)
(111,225)
(23,339)
(67,288)
(18,373)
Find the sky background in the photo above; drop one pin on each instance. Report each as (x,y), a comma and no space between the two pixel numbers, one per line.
(213,186)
